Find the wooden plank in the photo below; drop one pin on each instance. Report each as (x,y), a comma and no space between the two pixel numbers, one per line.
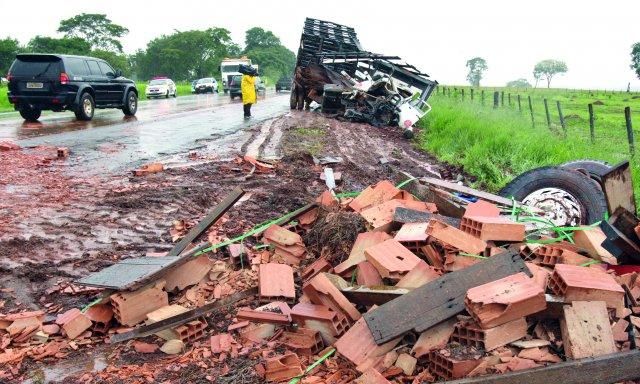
(182,318)
(207,222)
(405,215)
(586,331)
(467,191)
(618,188)
(438,300)
(608,369)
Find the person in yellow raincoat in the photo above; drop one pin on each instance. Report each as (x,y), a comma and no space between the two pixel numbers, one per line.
(248,88)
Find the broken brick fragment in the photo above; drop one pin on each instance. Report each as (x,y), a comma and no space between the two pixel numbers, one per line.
(504,300)
(455,238)
(469,333)
(421,274)
(148,169)
(367,275)
(131,308)
(391,259)
(448,367)
(322,290)
(288,245)
(73,322)
(575,283)
(363,241)
(275,282)
(374,195)
(493,228)
(283,367)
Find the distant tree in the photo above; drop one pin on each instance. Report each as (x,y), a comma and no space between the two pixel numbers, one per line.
(65,45)
(520,83)
(8,49)
(257,37)
(264,48)
(635,58)
(476,66)
(117,60)
(185,55)
(547,69)
(96,29)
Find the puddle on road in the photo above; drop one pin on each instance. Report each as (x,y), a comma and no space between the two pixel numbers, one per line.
(65,368)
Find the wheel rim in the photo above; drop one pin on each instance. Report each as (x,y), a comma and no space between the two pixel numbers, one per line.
(87,106)
(132,102)
(559,206)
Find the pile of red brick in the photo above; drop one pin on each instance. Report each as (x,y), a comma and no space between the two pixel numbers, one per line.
(569,307)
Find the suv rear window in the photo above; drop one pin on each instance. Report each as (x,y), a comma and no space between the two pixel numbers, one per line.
(76,67)
(44,67)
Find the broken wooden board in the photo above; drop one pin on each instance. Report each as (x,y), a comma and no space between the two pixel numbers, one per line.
(122,276)
(468,191)
(127,271)
(405,215)
(608,369)
(207,222)
(182,318)
(618,188)
(440,299)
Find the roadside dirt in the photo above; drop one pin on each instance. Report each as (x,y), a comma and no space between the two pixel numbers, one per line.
(56,226)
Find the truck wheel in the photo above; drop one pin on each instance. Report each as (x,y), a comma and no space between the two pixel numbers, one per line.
(293,98)
(30,114)
(86,107)
(131,105)
(592,168)
(567,197)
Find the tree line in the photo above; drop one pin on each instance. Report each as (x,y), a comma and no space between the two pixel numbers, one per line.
(182,55)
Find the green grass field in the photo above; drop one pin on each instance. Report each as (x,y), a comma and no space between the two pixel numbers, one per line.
(495,145)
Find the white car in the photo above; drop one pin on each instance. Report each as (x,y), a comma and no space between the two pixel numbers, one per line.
(161,87)
(208,84)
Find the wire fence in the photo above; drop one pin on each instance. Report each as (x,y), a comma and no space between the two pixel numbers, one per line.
(597,117)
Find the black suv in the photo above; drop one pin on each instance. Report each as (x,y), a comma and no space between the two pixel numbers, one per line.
(68,83)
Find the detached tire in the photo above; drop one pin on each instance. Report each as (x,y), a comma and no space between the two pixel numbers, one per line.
(566,196)
(593,168)
(86,107)
(30,114)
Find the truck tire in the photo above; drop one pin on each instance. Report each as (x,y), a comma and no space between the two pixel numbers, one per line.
(30,114)
(593,168)
(86,107)
(566,196)
(131,104)
(293,98)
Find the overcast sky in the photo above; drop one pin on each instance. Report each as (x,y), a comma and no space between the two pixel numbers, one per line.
(593,38)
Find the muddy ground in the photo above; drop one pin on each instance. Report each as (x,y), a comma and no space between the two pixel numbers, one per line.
(62,226)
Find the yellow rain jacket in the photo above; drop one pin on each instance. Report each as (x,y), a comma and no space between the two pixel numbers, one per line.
(248,87)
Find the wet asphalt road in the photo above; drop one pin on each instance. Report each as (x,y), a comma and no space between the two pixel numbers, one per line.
(160,130)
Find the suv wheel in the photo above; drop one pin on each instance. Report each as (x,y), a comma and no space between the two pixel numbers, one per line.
(85,108)
(131,104)
(30,114)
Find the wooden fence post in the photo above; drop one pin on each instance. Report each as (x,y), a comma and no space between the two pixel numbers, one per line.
(519,104)
(533,123)
(502,98)
(561,116)
(482,96)
(462,94)
(471,94)
(632,142)
(546,110)
(509,98)
(592,130)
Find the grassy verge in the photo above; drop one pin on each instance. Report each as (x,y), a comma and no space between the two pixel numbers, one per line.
(183,89)
(496,145)
(4,100)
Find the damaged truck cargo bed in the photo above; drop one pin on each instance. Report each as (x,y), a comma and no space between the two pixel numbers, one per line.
(351,83)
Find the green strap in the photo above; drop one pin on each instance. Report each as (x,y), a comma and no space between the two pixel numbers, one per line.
(471,255)
(296,379)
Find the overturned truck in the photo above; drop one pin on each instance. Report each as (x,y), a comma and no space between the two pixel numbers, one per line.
(349,82)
